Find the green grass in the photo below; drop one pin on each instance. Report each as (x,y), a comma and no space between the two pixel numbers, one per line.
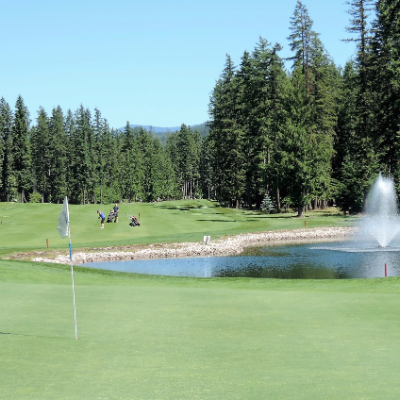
(27,226)
(153,337)
(150,337)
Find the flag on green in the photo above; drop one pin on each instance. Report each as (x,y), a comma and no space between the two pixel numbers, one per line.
(63,220)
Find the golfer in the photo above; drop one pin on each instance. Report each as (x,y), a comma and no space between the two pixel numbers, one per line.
(101,215)
(116,209)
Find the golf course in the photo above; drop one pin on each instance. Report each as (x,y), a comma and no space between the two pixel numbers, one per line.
(159,337)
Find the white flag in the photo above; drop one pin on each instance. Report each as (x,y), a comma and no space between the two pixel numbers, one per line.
(63,220)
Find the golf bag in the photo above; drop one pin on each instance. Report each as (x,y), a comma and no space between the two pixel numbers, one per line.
(134,221)
(111,216)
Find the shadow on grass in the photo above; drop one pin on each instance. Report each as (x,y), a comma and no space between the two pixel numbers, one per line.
(38,336)
(269,216)
(216,220)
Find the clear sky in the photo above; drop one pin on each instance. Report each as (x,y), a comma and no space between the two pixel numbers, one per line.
(150,62)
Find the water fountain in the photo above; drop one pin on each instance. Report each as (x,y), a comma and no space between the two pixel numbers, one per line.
(381,222)
(374,252)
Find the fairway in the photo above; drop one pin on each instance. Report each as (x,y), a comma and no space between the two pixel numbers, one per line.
(27,226)
(175,338)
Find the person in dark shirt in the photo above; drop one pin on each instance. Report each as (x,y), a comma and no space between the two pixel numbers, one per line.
(116,209)
(102,216)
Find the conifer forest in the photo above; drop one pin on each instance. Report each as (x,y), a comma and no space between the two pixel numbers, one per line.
(299,132)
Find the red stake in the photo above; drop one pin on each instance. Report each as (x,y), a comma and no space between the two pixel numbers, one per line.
(385,271)
(47,242)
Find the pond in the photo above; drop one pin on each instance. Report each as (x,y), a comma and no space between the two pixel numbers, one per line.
(296,261)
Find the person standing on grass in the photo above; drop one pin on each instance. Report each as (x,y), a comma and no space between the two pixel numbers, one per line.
(102,216)
(116,209)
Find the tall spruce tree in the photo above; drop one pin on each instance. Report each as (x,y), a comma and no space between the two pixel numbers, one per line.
(131,165)
(57,157)
(151,152)
(316,113)
(385,87)
(40,142)
(366,151)
(227,135)
(269,87)
(81,163)
(6,121)
(20,147)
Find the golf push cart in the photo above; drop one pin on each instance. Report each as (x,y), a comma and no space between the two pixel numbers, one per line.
(133,220)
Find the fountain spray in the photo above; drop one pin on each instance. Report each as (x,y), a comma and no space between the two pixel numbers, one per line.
(381,220)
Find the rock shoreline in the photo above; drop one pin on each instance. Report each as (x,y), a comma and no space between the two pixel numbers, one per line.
(221,247)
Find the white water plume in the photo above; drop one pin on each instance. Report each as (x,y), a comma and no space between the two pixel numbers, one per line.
(381,220)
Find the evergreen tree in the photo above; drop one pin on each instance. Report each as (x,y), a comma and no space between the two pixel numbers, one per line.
(313,116)
(57,157)
(298,142)
(40,142)
(227,135)
(6,121)
(301,40)
(81,163)
(20,147)
(151,152)
(367,157)
(269,81)
(186,161)
(349,193)
(69,128)
(267,204)
(131,165)
(385,87)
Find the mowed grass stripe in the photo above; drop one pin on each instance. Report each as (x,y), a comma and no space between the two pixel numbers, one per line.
(173,338)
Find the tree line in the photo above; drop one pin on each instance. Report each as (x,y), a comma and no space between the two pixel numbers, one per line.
(79,156)
(304,137)
(316,133)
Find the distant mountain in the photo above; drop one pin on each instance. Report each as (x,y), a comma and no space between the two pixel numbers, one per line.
(161,132)
(155,129)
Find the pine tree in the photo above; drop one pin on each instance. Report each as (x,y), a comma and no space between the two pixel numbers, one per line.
(227,135)
(349,191)
(151,155)
(81,163)
(40,141)
(298,142)
(301,41)
(20,147)
(6,121)
(57,157)
(385,87)
(69,127)
(131,165)
(269,81)
(267,204)
(367,157)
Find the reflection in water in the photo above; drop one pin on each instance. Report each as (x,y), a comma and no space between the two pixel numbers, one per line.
(304,261)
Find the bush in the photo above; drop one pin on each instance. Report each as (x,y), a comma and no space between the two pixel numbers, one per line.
(35,197)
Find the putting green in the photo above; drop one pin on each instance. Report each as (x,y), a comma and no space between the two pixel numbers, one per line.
(178,338)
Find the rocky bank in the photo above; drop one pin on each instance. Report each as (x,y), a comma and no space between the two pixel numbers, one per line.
(225,246)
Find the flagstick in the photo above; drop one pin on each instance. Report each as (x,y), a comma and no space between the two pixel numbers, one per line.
(72,275)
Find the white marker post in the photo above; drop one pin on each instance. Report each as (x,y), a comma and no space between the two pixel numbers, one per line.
(64,230)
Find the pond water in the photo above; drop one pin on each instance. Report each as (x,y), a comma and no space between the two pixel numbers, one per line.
(297,261)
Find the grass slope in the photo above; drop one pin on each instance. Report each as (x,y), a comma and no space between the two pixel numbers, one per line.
(149,337)
(27,226)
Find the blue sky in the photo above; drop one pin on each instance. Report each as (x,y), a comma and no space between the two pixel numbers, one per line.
(152,62)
